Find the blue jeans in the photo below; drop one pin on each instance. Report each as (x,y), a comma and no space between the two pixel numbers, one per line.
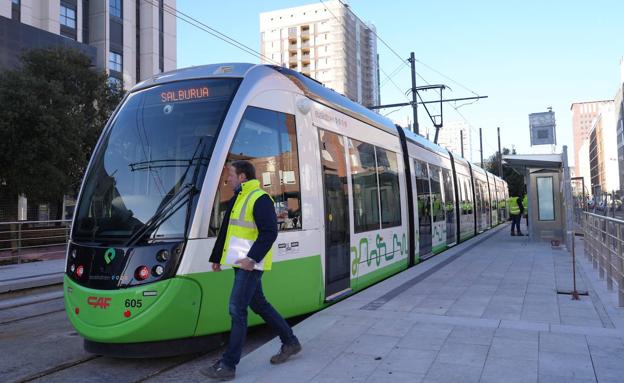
(515,222)
(247,292)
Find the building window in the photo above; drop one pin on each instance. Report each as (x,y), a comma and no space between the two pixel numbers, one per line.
(115,8)
(115,62)
(115,83)
(267,139)
(68,16)
(16,9)
(545,199)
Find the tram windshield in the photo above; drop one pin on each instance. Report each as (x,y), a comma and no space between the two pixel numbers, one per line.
(151,160)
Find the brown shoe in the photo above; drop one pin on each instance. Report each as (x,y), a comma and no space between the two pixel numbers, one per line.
(219,371)
(285,352)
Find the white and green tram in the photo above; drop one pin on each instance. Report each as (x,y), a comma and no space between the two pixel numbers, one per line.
(357,198)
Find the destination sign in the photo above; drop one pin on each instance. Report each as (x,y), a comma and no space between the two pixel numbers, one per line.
(185,94)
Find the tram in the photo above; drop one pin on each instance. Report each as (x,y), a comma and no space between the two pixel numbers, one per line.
(357,198)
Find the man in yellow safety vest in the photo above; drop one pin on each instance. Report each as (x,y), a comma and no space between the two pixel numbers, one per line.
(515,211)
(525,204)
(245,243)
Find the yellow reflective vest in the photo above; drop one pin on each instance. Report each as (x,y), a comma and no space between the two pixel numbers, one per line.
(242,230)
(525,203)
(514,209)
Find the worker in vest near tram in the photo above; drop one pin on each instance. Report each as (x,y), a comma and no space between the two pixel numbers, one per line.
(245,242)
(525,205)
(515,211)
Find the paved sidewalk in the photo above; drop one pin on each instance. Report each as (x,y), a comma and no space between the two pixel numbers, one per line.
(485,313)
(32,274)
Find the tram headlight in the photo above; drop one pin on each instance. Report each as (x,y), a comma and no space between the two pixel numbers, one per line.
(72,268)
(162,256)
(141,273)
(74,253)
(158,270)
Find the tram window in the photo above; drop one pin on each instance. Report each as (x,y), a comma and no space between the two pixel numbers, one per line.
(268,140)
(436,194)
(389,193)
(494,196)
(449,195)
(468,195)
(485,199)
(422,191)
(365,188)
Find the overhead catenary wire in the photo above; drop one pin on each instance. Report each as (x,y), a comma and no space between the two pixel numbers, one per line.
(447,77)
(403,61)
(406,63)
(210,30)
(392,74)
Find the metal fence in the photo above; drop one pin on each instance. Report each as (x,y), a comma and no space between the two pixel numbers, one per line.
(28,240)
(604,248)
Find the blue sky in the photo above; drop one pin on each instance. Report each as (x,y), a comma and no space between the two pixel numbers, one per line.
(524,55)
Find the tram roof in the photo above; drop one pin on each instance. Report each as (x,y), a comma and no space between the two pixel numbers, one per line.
(310,87)
(425,143)
(329,97)
(225,70)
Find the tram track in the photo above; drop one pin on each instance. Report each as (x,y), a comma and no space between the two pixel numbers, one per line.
(30,303)
(58,368)
(4,307)
(161,371)
(10,321)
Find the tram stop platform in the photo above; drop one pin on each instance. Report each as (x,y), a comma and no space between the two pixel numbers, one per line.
(30,275)
(487,310)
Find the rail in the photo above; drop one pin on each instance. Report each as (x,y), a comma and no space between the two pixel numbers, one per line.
(604,248)
(28,240)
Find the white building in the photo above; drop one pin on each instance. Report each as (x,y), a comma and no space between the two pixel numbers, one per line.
(131,39)
(450,137)
(326,42)
(603,156)
(583,116)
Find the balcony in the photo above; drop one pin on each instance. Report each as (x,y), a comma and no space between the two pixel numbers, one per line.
(292,33)
(292,59)
(305,58)
(305,45)
(292,45)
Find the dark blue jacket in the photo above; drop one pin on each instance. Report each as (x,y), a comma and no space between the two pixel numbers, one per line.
(266,222)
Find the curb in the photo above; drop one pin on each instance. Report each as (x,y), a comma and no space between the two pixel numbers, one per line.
(31,282)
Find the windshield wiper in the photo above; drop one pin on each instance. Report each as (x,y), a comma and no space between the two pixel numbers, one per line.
(171,205)
(167,210)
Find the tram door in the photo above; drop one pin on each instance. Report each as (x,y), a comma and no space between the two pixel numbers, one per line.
(423,192)
(335,189)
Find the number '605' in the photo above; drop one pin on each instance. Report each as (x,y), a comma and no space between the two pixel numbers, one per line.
(133,303)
